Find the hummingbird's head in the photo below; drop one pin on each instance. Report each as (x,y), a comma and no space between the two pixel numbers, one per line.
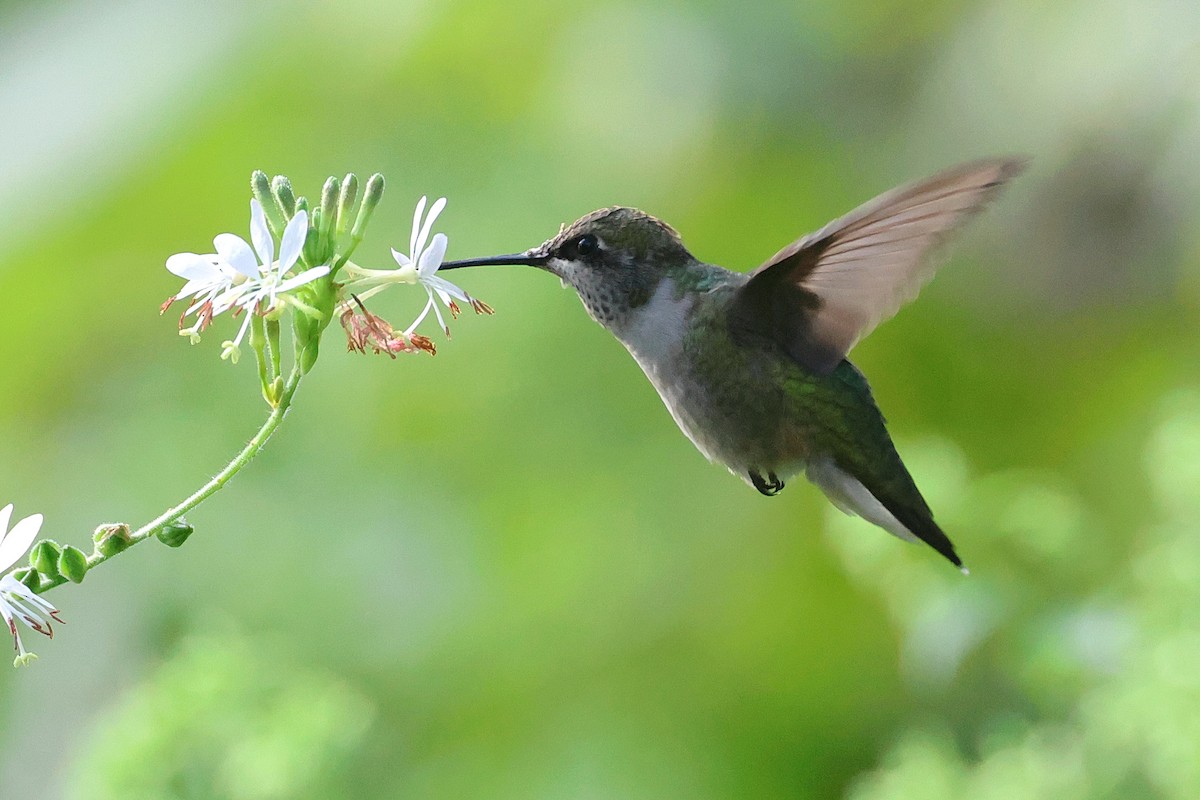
(613,258)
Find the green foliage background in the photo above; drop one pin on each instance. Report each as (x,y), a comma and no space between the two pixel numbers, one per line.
(502,572)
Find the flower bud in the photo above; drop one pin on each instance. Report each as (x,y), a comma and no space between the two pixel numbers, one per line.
(174,534)
(371,198)
(260,187)
(72,564)
(346,201)
(314,244)
(273,391)
(304,329)
(285,198)
(29,577)
(329,205)
(112,539)
(44,558)
(308,356)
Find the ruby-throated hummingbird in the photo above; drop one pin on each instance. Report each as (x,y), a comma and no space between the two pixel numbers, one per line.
(753,366)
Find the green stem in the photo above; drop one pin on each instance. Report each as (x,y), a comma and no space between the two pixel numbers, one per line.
(355,240)
(273,348)
(252,448)
(258,343)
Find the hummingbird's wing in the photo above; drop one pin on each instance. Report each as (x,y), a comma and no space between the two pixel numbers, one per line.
(823,293)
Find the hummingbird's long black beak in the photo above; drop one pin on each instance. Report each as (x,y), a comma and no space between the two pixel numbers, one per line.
(530,258)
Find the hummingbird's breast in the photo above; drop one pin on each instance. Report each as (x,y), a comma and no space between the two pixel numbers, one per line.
(727,398)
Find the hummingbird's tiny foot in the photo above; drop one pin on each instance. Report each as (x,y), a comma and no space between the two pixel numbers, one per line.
(770,487)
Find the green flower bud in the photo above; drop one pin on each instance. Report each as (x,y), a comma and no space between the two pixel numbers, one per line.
(304,329)
(112,539)
(285,198)
(260,187)
(346,201)
(371,198)
(329,205)
(174,534)
(44,558)
(29,577)
(314,245)
(73,564)
(273,391)
(302,205)
(308,357)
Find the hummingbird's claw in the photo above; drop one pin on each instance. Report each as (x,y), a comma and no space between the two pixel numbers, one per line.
(770,487)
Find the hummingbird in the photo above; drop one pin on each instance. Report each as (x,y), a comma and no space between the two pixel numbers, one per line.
(753,365)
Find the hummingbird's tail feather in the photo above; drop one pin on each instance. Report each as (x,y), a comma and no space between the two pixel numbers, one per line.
(855,463)
(911,520)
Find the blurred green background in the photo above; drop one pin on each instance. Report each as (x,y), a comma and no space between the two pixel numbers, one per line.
(503,572)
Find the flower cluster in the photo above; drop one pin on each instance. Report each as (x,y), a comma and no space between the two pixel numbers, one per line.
(241,278)
(18,601)
(248,280)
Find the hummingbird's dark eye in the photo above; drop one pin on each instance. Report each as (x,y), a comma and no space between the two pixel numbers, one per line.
(587,244)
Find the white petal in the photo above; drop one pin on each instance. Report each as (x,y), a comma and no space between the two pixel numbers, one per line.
(431,258)
(18,539)
(437,312)
(36,599)
(21,599)
(293,241)
(434,210)
(440,284)
(245,327)
(199,300)
(192,267)
(29,608)
(302,278)
(438,205)
(5,515)
(195,287)
(412,241)
(401,259)
(229,298)
(260,234)
(420,318)
(234,251)
(249,297)
(5,611)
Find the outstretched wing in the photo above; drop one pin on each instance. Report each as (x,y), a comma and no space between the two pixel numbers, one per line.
(823,293)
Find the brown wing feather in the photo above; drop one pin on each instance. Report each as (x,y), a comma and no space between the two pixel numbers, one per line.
(823,293)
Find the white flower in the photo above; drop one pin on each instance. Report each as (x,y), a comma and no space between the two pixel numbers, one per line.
(419,267)
(240,276)
(262,295)
(18,601)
